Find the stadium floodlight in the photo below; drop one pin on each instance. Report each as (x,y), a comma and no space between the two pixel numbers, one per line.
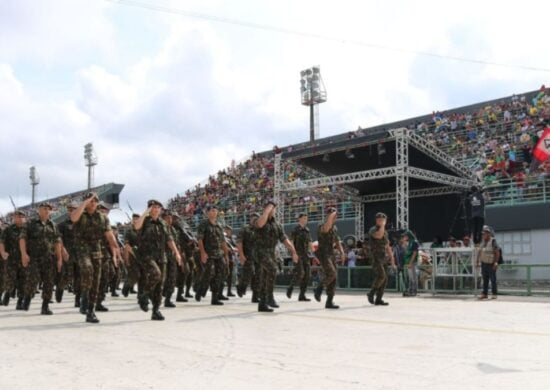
(91,162)
(35,180)
(313,92)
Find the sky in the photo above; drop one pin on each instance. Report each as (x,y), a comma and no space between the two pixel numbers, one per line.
(168,94)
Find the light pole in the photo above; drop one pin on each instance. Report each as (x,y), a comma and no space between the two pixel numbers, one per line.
(313,92)
(35,180)
(91,162)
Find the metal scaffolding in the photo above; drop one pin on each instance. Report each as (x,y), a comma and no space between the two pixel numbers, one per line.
(401,178)
(402,173)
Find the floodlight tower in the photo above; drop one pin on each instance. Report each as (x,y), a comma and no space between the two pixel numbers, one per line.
(91,162)
(35,180)
(313,92)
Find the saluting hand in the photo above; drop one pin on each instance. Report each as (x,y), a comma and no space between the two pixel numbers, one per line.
(295,258)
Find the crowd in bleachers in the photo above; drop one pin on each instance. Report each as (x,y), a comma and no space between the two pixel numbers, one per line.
(496,141)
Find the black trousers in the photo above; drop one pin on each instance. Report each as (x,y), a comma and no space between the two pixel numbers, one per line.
(477,225)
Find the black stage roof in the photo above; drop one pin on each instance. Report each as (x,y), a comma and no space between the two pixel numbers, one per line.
(366,157)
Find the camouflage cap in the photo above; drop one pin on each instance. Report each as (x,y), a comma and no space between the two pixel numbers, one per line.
(72,206)
(46,204)
(302,215)
(154,202)
(255,215)
(19,213)
(135,215)
(211,206)
(91,195)
(381,215)
(167,213)
(331,210)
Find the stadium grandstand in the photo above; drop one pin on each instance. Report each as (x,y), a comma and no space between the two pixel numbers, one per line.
(488,143)
(108,193)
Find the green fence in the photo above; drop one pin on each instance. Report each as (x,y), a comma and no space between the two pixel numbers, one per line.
(512,279)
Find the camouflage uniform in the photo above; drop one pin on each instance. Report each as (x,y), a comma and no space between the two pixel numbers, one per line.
(89,234)
(266,241)
(183,274)
(14,273)
(107,267)
(41,238)
(378,254)
(325,254)
(171,267)
(213,271)
(230,269)
(301,238)
(153,238)
(250,270)
(134,274)
(69,273)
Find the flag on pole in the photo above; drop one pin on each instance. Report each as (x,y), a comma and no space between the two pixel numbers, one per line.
(542,150)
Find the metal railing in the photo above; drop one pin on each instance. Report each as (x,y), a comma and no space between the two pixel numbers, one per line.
(512,279)
(510,192)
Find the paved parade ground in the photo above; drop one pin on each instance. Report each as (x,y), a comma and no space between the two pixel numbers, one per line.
(415,343)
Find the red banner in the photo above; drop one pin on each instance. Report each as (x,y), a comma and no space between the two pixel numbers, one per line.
(542,150)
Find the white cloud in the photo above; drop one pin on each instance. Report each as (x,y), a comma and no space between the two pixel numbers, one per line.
(168,100)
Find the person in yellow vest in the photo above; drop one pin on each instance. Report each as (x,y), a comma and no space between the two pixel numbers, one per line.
(488,254)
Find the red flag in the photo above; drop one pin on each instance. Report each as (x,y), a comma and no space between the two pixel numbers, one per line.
(542,150)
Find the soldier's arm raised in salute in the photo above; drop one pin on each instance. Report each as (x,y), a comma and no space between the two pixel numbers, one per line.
(260,222)
(138,224)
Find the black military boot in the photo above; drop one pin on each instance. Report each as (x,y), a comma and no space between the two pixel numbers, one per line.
(289,292)
(125,290)
(255,298)
(330,304)
(168,302)
(222,297)
(317,292)
(90,315)
(380,302)
(45,309)
(370,297)
(144,302)
(99,307)
(179,296)
(271,302)
(58,294)
(240,290)
(263,307)
(26,303)
(84,300)
(157,315)
(188,293)
(19,305)
(6,298)
(77,300)
(303,298)
(114,293)
(216,299)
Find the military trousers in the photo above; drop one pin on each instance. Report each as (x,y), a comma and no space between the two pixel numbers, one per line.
(154,275)
(90,265)
(301,273)
(380,279)
(41,269)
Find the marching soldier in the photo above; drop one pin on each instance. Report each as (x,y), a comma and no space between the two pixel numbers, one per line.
(379,248)
(172,264)
(14,277)
(214,255)
(91,228)
(108,262)
(41,253)
(69,272)
(154,236)
(130,258)
(268,233)
(184,278)
(249,266)
(228,232)
(301,238)
(327,236)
